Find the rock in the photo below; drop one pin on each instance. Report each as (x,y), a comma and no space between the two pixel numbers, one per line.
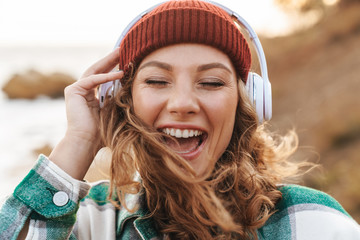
(33,84)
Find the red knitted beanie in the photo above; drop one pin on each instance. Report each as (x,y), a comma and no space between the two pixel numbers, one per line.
(185,21)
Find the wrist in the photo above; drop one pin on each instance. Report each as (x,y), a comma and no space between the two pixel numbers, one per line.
(82,137)
(74,154)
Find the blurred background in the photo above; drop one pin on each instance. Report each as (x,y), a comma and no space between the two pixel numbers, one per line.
(312,49)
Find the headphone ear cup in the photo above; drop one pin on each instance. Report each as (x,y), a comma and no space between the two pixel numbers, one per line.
(255,89)
(108,90)
(267,100)
(104,91)
(117,86)
(250,87)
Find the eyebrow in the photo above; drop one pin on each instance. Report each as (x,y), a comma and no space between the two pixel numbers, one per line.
(158,64)
(213,65)
(168,67)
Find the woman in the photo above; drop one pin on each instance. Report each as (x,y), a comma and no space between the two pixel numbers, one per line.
(189,159)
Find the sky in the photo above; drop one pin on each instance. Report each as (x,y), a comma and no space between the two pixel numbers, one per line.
(74,22)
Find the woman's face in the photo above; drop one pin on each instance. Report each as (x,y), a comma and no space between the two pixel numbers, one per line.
(188,91)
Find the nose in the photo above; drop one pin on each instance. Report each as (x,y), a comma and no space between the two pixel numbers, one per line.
(183,101)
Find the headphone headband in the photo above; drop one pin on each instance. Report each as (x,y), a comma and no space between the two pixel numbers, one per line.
(253,37)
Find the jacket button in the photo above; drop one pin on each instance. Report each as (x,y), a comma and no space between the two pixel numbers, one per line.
(60,199)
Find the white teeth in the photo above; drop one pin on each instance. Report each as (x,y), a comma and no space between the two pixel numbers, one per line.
(178,133)
(182,133)
(191,133)
(185,133)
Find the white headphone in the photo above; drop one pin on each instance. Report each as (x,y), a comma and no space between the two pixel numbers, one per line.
(258,87)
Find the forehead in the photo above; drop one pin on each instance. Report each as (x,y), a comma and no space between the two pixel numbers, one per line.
(188,54)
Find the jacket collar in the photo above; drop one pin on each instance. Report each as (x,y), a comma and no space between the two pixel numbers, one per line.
(143,224)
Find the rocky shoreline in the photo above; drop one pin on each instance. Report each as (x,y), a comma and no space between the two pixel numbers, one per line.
(32,84)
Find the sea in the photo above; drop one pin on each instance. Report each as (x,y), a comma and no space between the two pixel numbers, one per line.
(26,125)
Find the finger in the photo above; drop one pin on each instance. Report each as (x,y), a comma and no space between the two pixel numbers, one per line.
(105,64)
(93,81)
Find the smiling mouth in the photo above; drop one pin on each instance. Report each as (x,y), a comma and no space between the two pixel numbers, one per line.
(184,141)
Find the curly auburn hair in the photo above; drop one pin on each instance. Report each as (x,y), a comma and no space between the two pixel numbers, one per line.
(231,200)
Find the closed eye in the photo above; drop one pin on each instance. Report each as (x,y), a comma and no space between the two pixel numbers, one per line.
(156,82)
(212,83)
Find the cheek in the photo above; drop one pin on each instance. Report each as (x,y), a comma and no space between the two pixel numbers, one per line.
(223,109)
(146,105)
(223,119)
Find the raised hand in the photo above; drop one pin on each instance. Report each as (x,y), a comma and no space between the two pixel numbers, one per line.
(77,149)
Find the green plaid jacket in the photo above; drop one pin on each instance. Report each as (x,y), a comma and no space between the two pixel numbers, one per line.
(60,207)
